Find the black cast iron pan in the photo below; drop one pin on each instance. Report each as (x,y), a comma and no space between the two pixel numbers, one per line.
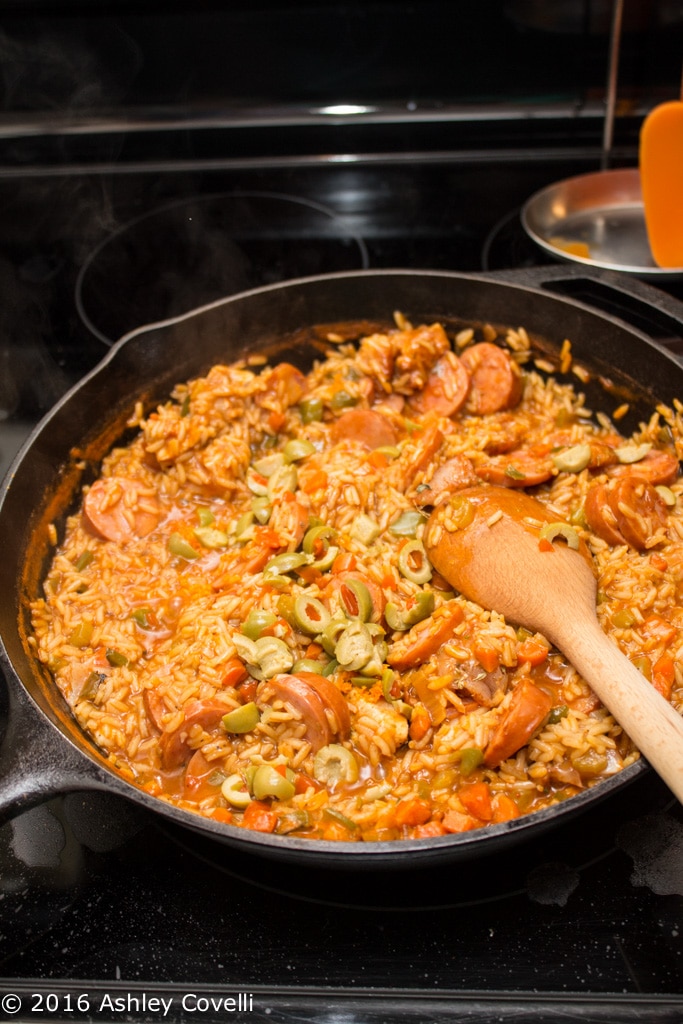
(44,752)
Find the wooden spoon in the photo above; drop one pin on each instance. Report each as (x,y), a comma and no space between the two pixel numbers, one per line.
(486,542)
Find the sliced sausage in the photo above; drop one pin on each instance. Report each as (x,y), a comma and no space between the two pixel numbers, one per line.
(289,520)
(117,509)
(414,459)
(155,708)
(602,455)
(447,387)
(305,699)
(496,379)
(628,510)
(657,467)
(425,638)
(334,701)
(285,384)
(451,476)
(520,468)
(528,709)
(418,348)
(174,746)
(365,426)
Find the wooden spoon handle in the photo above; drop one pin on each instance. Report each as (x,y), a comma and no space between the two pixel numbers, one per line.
(652,723)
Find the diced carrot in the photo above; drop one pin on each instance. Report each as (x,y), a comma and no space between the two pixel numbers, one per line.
(377,459)
(476,798)
(544,544)
(344,562)
(413,811)
(259,817)
(426,831)
(657,628)
(504,808)
(313,651)
(531,652)
(528,708)
(276,420)
(314,481)
(664,675)
(419,723)
(303,783)
(335,831)
(234,673)
(486,655)
(658,563)
(455,821)
(222,814)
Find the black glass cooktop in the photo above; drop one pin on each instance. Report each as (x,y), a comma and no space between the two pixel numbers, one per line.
(108,912)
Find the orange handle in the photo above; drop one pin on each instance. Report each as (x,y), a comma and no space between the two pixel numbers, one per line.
(661,173)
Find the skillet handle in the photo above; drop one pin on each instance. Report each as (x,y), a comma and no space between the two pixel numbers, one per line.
(643,306)
(36,761)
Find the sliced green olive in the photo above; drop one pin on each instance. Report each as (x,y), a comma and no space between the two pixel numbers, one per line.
(242,719)
(356,599)
(629,453)
(402,619)
(244,527)
(310,615)
(335,764)
(354,647)
(256,622)
(268,782)
(141,616)
(261,509)
(572,460)
(331,633)
(210,537)
(235,792)
(282,481)
(205,516)
(287,562)
(296,449)
(551,531)
(311,409)
(624,619)
(413,562)
(272,657)
(316,543)
(269,464)
(407,523)
(177,545)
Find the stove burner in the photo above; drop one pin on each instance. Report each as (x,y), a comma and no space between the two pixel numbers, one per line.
(508,245)
(191,253)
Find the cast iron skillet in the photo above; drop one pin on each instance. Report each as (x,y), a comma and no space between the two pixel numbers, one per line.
(44,752)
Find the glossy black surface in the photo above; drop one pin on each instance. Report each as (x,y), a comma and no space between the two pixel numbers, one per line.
(583,923)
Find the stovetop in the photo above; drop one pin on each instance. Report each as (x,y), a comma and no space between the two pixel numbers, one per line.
(109,913)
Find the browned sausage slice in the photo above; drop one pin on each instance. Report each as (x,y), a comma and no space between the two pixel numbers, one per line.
(174,746)
(305,699)
(447,387)
(628,510)
(521,468)
(365,426)
(414,459)
(334,701)
(118,509)
(657,467)
(496,379)
(639,509)
(285,384)
(600,517)
(458,472)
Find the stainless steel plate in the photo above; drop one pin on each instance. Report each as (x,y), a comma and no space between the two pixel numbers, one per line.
(597,220)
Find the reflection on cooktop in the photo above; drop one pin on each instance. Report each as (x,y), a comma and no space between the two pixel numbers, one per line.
(191,253)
